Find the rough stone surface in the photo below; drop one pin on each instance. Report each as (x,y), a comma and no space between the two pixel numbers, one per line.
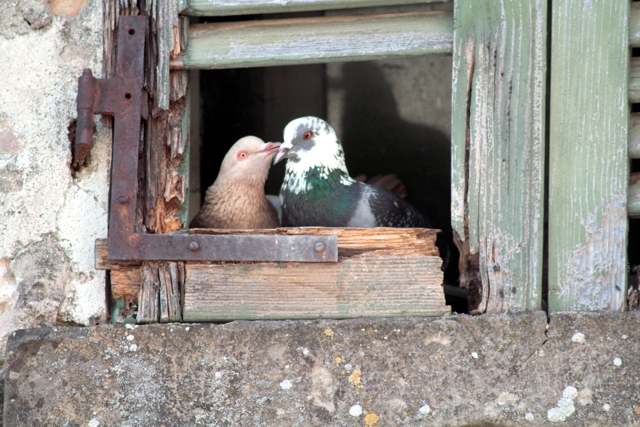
(502,370)
(49,216)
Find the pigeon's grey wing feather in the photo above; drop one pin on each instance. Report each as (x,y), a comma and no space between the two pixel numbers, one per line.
(391,211)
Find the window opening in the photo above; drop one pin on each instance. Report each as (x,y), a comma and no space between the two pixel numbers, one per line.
(392,117)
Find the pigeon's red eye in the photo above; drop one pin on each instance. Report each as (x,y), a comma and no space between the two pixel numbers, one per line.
(307,135)
(242,155)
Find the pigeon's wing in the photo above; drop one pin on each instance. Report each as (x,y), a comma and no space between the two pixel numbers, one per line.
(391,211)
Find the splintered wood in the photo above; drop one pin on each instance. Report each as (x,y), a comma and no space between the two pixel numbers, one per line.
(382,272)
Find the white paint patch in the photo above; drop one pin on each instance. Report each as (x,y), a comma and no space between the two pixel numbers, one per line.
(606,407)
(93,423)
(474,355)
(425,409)
(617,361)
(286,385)
(591,277)
(355,411)
(565,407)
(529,416)
(578,337)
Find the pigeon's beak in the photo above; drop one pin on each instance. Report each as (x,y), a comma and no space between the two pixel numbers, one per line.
(282,153)
(270,148)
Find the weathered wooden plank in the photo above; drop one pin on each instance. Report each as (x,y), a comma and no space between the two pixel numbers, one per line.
(171,277)
(633,201)
(588,169)
(634,25)
(316,40)
(367,285)
(499,62)
(633,148)
(166,25)
(246,7)
(148,298)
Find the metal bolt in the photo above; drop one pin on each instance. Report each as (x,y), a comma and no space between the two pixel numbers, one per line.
(194,246)
(319,247)
(123,199)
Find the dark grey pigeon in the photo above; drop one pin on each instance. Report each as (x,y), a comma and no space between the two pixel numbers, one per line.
(318,191)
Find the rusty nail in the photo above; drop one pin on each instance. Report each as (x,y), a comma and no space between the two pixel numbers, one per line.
(123,199)
(319,247)
(194,246)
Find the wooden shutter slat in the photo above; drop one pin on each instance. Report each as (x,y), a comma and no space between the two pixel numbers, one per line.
(316,40)
(588,160)
(247,7)
(499,83)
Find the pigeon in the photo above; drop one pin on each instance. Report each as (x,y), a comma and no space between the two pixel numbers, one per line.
(318,191)
(236,199)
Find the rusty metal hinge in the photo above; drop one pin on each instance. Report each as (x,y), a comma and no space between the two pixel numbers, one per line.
(121,97)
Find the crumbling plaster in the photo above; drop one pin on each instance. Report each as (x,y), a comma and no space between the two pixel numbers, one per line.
(49,217)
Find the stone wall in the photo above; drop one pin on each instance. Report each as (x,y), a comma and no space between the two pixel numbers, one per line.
(50,215)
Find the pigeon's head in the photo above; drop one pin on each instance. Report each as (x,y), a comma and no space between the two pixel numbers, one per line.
(248,159)
(309,142)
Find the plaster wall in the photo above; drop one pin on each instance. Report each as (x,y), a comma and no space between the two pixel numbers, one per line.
(49,215)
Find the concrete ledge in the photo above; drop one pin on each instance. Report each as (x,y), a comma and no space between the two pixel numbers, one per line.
(457,370)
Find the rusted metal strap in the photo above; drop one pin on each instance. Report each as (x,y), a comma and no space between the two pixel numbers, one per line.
(121,97)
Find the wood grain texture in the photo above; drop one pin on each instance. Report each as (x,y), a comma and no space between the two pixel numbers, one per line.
(499,62)
(588,169)
(249,7)
(166,26)
(367,285)
(171,275)
(316,40)
(148,298)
